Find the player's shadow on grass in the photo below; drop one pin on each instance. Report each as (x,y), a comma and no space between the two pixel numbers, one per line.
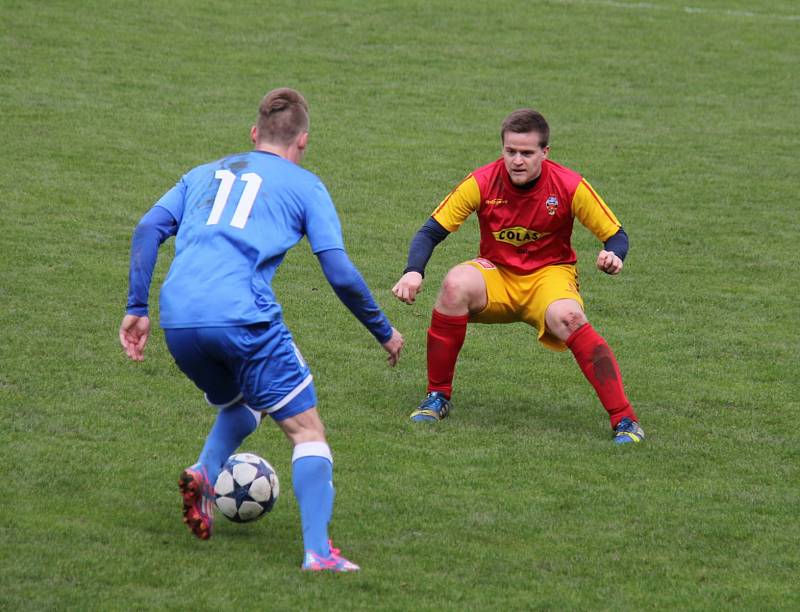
(533,417)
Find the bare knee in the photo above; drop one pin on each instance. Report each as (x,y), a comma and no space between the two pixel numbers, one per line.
(573,320)
(463,290)
(453,293)
(564,317)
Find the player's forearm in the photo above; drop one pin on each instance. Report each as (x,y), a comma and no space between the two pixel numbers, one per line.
(351,289)
(422,245)
(155,227)
(618,243)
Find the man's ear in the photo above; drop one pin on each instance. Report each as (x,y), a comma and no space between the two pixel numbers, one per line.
(302,141)
(253,135)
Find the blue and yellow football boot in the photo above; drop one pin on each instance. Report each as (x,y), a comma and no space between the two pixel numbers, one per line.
(434,407)
(627,431)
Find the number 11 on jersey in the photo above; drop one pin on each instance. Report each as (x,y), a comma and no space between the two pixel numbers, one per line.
(248,197)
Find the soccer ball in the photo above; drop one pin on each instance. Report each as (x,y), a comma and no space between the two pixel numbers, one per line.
(247,488)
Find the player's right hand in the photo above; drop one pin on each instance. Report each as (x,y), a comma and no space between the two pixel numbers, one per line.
(407,288)
(133,334)
(393,346)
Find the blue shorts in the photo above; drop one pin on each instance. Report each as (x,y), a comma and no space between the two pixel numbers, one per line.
(258,363)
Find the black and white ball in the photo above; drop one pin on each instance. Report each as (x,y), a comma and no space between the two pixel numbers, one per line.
(246,488)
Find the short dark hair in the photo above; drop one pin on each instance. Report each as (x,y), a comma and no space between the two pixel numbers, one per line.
(526,120)
(282,115)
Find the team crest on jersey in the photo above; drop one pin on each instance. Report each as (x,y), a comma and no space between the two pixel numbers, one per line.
(552,205)
(517,235)
(495,202)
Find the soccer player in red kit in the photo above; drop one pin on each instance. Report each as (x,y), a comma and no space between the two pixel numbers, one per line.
(525,272)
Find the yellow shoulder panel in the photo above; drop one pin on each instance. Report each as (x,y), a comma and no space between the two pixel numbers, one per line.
(590,209)
(459,204)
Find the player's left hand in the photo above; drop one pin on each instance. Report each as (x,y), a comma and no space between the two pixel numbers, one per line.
(609,262)
(133,334)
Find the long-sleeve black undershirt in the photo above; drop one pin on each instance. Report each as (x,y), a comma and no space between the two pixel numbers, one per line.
(432,233)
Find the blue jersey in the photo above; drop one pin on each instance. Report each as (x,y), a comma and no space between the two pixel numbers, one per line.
(237,218)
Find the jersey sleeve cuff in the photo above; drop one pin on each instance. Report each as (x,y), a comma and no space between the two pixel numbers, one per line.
(137,311)
(415,269)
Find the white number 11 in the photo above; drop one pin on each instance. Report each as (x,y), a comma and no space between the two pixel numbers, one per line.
(245,204)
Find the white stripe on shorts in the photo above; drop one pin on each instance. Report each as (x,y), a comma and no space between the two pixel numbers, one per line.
(293,394)
(223,406)
(256,414)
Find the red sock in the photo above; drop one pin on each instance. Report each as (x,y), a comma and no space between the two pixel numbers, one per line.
(600,367)
(445,338)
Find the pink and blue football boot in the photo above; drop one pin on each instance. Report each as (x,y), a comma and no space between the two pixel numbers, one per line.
(335,562)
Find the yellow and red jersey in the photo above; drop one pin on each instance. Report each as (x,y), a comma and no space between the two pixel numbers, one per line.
(524,229)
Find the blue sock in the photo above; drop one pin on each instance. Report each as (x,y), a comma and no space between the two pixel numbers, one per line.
(312,477)
(232,426)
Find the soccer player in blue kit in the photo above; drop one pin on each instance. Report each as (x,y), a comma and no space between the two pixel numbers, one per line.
(233,221)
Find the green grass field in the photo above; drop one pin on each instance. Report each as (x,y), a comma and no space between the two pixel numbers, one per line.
(685,117)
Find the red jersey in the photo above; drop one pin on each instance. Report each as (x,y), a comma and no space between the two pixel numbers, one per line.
(527,229)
